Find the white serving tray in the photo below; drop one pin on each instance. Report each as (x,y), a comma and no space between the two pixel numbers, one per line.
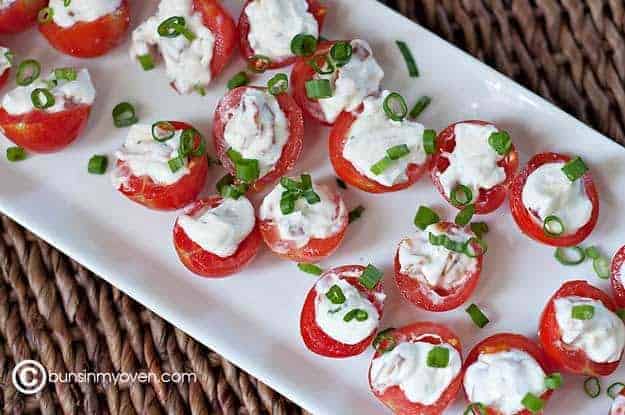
(252,319)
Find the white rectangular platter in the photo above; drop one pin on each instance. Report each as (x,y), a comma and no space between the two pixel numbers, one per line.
(252,319)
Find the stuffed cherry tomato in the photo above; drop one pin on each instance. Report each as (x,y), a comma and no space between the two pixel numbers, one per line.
(267,27)
(375,153)
(617,277)
(162,166)
(303,221)
(580,331)
(196,39)
(18,15)
(85,28)
(6,61)
(216,237)
(474,163)
(46,115)
(258,136)
(352,71)
(438,268)
(618,406)
(342,311)
(417,369)
(554,200)
(506,373)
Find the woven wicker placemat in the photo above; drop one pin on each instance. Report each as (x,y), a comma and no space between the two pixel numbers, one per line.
(55,311)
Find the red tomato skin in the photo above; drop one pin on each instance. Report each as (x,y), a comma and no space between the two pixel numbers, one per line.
(419,294)
(346,170)
(89,39)
(143,190)
(221,24)
(4,77)
(314,7)
(291,151)
(569,360)
(506,341)
(315,339)
(617,287)
(206,264)
(394,398)
(487,200)
(20,15)
(524,218)
(42,132)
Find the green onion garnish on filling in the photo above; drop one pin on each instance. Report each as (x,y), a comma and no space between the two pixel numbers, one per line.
(475,247)
(247,170)
(614,389)
(397,152)
(464,216)
(420,106)
(10,56)
(326,67)
(341,53)
(553,226)
(620,312)
(475,408)
(410,62)
(124,115)
(45,15)
(461,196)
(479,229)
(97,164)
(42,98)
(318,89)
(310,268)
(279,84)
(583,312)
(356,213)
(395,106)
(601,266)
(175,164)
(380,166)
(27,72)
(478,317)
(66,74)
(295,190)
(16,154)
(500,142)
(425,217)
(438,357)
(575,169)
(429,141)
(384,341)
(238,80)
(573,255)
(335,295)
(146,61)
(370,277)
(592,387)
(532,403)
(356,313)
(592,252)
(553,381)
(303,45)
(174,27)
(163,131)
(227,187)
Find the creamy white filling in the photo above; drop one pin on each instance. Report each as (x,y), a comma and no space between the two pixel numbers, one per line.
(4,4)
(187,62)
(257,128)
(440,267)
(145,156)
(5,63)
(473,162)
(406,366)
(619,274)
(353,82)
(602,337)
(548,191)
(80,91)
(372,133)
(618,406)
(501,380)
(330,317)
(317,221)
(274,24)
(81,10)
(221,229)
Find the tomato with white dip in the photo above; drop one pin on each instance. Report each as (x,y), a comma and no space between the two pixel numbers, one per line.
(18,15)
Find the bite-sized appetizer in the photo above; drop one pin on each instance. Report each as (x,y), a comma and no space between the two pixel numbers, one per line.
(267,29)
(162,166)
(85,28)
(580,331)
(375,148)
(337,78)
(6,61)
(342,311)
(258,136)
(617,277)
(438,268)
(474,163)
(416,369)
(216,237)
(18,15)
(618,406)
(46,115)
(505,374)
(302,220)
(554,200)
(195,38)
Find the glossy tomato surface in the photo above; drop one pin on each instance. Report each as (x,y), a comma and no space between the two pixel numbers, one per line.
(567,358)
(4,77)
(394,397)
(222,26)
(20,15)
(315,338)
(529,223)
(617,275)
(488,200)
(205,263)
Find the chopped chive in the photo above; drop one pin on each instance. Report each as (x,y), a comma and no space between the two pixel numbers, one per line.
(420,106)
(478,317)
(97,164)
(464,216)
(425,217)
(174,27)
(27,72)
(592,387)
(583,312)
(614,389)
(380,166)
(227,188)
(42,98)
(341,183)
(66,3)
(370,277)
(438,357)
(410,62)
(45,15)
(16,154)
(395,106)
(601,266)
(384,341)
(124,115)
(311,197)
(146,61)
(318,89)
(475,406)
(303,45)
(356,213)
(279,84)
(575,169)
(310,268)
(335,295)
(287,203)
(479,229)
(356,313)
(553,226)
(306,181)
(461,196)
(66,74)
(500,142)
(533,403)
(553,381)
(163,131)
(290,184)
(397,152)
(175,164)
(592,252)
(573,255)
(238,80)
(429,141)
(341,53)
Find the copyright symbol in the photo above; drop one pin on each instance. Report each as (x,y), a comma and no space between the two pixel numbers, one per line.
(29,377)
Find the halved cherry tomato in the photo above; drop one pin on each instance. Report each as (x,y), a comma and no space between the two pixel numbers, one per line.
(394,397)
(291,150)
(4,77)
(503,342)
(431,298)
(89,39)
(488,200)
(529,224)
(569,359)
(617,275)
(20,15)
(315,338)
(346,170)
(314,7)
(45,132)
(223,28)
(207,264)
(143,190)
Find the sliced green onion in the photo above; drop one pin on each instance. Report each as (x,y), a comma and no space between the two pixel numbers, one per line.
(438,357)
(234,155)
(10,56)
(16,154)
(553,381)
(200,90)
(176,164)
(461,196)
(356,213)
(42,98)
(384,341)
(124,115)
(310,268)
(454,246)
(475,247)
(287,203)
(575,169)
(464,216)
(66,74)
(186,142)
(238,80)
(553,226)
(27,72)
(335,295)
(306,181)
(97,164)
(259,63)
(410,62)
(592,252)
(532,403)
(601,266)
(500,142)
(66,3)
(247,170)
(341,53)
(614,389)
(429,141)
(311,197)
(290,184)
(318,89)
(227,188)
(341,183)
(573,255)
(327,67)
(475,406)
(620,312)
(279,84)
(380,166)
(397,152)
(592,387)
(303,45)
(583,312)
(420,106)
(479,229)
(395,106)
(356,313)
(172,27)
(370,277)
(425,217)
(478,317)
(163,131)
(45,15)
(146,61)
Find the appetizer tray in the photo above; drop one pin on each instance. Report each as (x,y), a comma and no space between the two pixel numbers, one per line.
(252,318)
